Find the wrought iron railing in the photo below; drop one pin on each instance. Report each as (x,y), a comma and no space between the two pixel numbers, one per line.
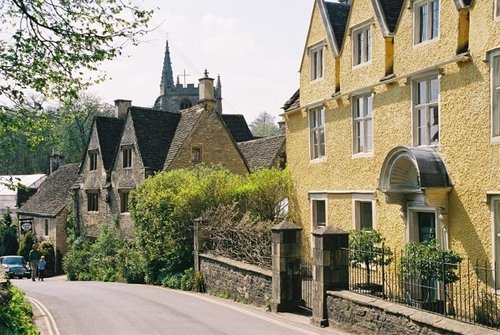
(472,298)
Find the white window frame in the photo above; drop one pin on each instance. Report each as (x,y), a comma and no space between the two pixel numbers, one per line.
(495,218)
(361,45)
(317,135)
(361,123)
(357,199)
(426,107)
(313,199)
(317,60)
(496,10)
(418,22)
(494,60)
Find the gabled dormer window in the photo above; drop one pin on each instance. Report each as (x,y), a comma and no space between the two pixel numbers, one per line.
(127,157)
(361,45)
(317,62)
(425,20)
(92,160)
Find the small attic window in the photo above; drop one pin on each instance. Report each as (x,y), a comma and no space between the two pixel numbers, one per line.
(92,160)
(316,58)
(196,155)
(127,157)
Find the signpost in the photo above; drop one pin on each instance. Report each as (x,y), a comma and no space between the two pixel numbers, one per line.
(26,225)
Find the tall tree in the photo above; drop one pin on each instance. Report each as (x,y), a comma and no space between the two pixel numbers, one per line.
(54,47)
(264,125)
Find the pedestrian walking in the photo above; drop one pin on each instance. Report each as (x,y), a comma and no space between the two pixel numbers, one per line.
(33,259)
(41,268)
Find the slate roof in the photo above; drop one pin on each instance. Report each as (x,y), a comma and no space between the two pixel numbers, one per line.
(391,10)
(109,131)
(293,102)
(238,127)
(52,195)
(338,14)
(187,121)
(262,153)
(154,130)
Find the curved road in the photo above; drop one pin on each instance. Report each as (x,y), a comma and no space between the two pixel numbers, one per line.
(80,308)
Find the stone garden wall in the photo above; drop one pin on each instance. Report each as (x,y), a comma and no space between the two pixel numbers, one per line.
(366,315)
(236,280)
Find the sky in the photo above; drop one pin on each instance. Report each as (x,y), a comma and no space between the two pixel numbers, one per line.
(255,46)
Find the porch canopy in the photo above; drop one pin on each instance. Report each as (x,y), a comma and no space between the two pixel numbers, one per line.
(410,172)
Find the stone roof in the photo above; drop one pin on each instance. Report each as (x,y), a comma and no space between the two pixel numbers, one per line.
(52,195)
(109,131)
(262,153)
(391,10)
(293,102)
(338,13)
(154,130)
(188,119)
(238,127)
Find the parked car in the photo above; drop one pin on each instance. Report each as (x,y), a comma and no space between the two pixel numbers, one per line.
(16,266)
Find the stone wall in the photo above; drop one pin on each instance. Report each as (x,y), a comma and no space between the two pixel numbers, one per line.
(366,315)
(242,282)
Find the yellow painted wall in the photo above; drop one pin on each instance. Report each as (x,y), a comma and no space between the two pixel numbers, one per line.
(471,157)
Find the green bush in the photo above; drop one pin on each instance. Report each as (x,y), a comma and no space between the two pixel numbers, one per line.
(186,281)
(77,259)
(25,245)
(16,315)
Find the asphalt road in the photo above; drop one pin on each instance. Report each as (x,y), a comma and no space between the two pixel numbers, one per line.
(80,308)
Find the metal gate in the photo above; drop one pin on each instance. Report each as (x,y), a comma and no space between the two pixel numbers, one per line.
(307,284)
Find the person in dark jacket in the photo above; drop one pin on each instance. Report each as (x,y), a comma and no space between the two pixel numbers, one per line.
(33,259)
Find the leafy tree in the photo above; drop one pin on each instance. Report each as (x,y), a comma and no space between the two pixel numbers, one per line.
(8,235)
(264,125)
(367,248)
(76,116)
(54,47)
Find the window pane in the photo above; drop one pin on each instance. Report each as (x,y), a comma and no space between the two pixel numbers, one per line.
(421,126)
(435,19)
(434,90)
(365,215)
(322,142)
(434,124)
(421,92)
(422,23)
(320,215)
(369,106)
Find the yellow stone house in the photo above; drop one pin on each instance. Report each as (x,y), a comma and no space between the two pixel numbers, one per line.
(396,125)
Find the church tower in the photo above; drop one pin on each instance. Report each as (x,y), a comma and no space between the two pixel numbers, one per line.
(174,97)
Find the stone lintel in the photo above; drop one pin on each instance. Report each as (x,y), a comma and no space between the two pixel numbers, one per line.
(328,230)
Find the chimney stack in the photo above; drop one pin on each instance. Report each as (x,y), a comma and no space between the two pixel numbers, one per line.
(121,108)
(206,88)
(55,161)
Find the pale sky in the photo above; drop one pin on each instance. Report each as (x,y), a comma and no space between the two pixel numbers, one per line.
(255,46)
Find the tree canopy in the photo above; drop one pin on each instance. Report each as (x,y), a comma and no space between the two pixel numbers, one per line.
(264,125)
(53,48)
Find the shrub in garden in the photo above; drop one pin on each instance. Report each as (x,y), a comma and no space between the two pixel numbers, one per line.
(25,245)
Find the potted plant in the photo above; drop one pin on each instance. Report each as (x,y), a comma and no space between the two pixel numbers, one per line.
(367,250)
(423,266)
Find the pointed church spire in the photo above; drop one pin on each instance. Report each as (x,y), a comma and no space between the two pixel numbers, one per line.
(218,96)
(167,76)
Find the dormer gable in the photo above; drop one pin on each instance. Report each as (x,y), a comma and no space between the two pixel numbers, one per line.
(388,13)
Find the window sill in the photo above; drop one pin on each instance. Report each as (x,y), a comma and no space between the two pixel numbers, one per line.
(317,80)
(363,155)
(362,65)
(425,43)
(318,160)
(495,139)
(125,213)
